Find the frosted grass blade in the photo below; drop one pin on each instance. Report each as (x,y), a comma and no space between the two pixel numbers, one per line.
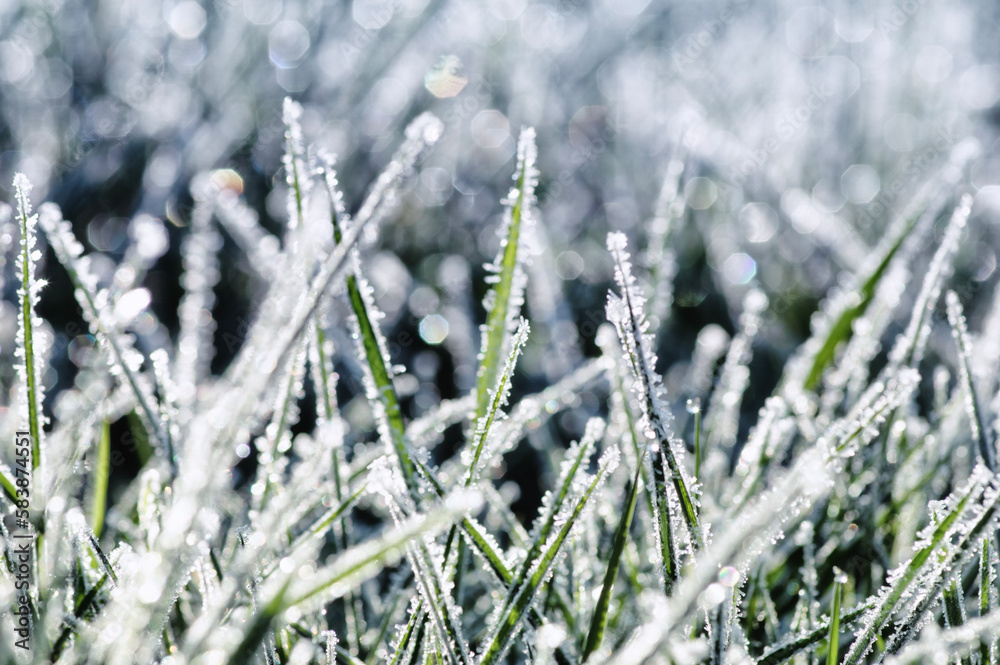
(912,224)
(625,311)
(504,300)
(781,652)
(987,649)
(552,503)
(498,400)
(29,368)
(520,597)
(201,274)
(955,555)
(357,564)
(934,538)
(104,325)
(909,348)
(722,417)
(980,430)
(600,616)
(937,646)
(253,367)
(372,345)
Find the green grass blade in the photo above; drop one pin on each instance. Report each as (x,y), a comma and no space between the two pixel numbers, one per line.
(842,328)
(520,597)
(319,528)
(259,626)
(357,564)
(600,617)
(553,502)
(986,603)
(373,347)
(625,312)
(954,610)
(383,392)
(486,547)
(663,524)
(28,368)
(889,599)
(7,483)
(939,645)
(963,546)
(834,637)
(503,302)
(498,399)
(909,347)
(102,470)
(82,606)
(292,161)
(781,652)
(923,207)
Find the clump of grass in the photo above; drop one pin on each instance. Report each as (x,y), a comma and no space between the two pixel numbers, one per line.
(365,539)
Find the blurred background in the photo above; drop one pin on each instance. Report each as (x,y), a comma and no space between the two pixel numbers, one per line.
(796,132)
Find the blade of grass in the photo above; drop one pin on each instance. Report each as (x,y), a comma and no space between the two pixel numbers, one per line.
(520,597)
(954,610)
(939,645)
(357,564)
(625,311)
(69,628)
(503,302)
(320,526)
(125,358)
(980,430)
(912,223)
(600,617)
(102,469)
(253,366)
(484,545)
(833,641)
(554,501)
(258,629)
(986,603)
(8,484)
(955,556)
(498,399)
(372,346)
(29,367)
(783,651)
(889,598)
